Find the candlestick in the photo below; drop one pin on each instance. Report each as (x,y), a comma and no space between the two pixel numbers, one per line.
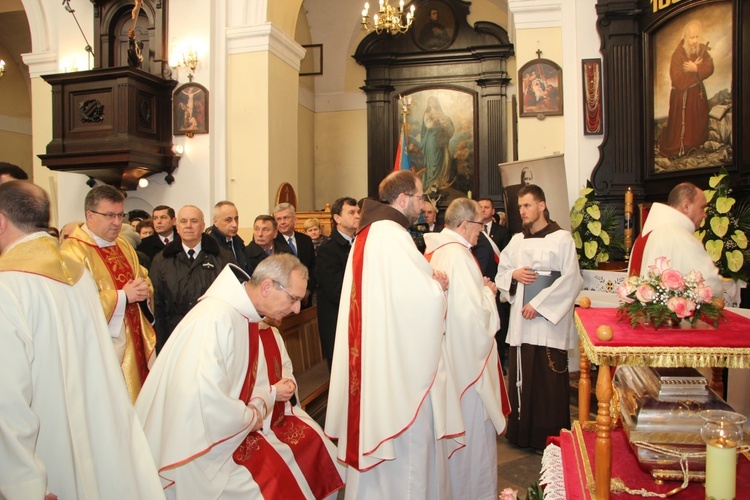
(628,231)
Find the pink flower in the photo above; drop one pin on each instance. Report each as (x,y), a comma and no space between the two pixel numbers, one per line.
(645,293)
(661,264)
(672,279)
(696,277)
(704,294)
(508,494)
(681,306)
(623,294)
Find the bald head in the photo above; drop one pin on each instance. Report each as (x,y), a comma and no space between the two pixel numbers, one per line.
(190,225)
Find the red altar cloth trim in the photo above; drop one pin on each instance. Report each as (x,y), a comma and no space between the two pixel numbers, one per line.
(624,467)
(726,346)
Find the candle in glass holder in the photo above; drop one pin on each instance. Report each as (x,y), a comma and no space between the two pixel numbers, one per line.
(722,432)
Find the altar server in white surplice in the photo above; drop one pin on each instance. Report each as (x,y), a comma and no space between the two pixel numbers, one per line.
(470,350)
(387,404)
(67,427)
(210,390)
(542,331)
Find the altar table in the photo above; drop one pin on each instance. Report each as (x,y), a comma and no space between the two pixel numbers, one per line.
(577,453)
(728,346)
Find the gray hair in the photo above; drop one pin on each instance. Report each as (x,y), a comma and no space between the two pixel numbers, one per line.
(681,192)
(459,210)
(278,268)
(285,206)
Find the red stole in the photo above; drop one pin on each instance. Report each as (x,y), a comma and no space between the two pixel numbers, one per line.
(355,350)
(121,272)
(266,465)
(636,255)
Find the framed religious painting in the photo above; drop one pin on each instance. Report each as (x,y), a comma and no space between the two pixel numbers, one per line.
(592,97)
(689,60)
(441,127)
(434,27)
(541,89)
(190,104)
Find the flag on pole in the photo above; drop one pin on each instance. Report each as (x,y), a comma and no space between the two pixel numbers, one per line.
(402,154)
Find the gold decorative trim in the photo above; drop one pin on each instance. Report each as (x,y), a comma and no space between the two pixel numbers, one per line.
(694,357)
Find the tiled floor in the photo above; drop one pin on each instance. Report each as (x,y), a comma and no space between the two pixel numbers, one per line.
(519,468)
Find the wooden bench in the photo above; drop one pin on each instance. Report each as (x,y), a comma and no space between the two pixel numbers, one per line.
(302,341)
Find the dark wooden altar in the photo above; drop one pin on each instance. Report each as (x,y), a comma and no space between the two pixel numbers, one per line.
(470,60)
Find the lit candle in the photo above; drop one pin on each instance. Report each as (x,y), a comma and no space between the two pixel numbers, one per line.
(721,469)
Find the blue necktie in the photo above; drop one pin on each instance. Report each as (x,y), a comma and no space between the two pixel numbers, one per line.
(291,245)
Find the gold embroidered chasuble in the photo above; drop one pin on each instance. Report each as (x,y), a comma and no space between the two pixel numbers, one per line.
(111,269)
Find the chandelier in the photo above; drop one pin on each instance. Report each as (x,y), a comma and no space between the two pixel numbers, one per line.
(389,19)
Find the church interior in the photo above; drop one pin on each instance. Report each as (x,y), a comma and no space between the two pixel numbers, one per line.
(268,101)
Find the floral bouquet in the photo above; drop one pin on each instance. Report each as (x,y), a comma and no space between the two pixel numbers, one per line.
(666,296)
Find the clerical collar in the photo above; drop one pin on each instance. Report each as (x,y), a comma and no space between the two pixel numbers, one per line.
(550,228)
(100,242)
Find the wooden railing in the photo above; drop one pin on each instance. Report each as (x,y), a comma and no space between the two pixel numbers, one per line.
(300,334)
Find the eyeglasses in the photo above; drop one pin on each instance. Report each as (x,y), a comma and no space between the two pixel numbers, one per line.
(422,197)
(281,287)
(119,216)
(475,222)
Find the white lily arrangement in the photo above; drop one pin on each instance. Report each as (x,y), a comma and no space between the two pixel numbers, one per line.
(724,231)
(593,229)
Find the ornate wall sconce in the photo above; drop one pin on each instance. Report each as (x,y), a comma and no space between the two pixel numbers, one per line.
(187,59)
(2,68)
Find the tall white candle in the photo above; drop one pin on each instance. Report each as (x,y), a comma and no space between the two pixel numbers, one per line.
(721,469)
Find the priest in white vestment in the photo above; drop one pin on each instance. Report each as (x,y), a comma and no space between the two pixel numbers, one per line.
(67,427)
(542,330)
(470,350)
(387,399)
(209,388)
(669,232)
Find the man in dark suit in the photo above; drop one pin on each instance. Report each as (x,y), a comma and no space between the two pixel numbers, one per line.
(332,257)
(226,221)
(491,242)
(264,242)
(430,217)
(183,271)
(300,243)
(164,232)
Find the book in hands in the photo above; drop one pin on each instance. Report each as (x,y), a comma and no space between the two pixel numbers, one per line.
(544,279)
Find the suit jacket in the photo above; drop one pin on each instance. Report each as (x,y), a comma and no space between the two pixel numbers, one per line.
(500,235)
(255,254)
(151,245)
(305,253)
(178,283)
(331,264)
(239,256)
